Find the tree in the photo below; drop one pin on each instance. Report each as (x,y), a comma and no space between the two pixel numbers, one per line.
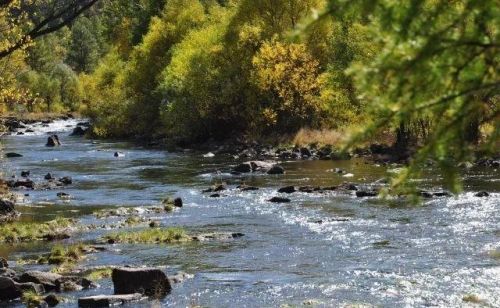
(440,62)
(26,20)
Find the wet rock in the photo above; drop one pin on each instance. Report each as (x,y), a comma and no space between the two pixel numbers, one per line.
(482,194)
(243,168)
(247,188)
(425,194)
(3,263)
(49,177)
(329,188)
(349,186)
(73,283)
(366,193)
(29,130)
(10,289)
(276,169)
(63,195)
(219,236)
(67,180)
(13,155)
(78,131)
(279,200)
(441,194)
(215,196)
(119,154)
(149,281)
(53,141)
(7,272)
(109,300)
(48,280)
(84,124)
(178,202)
(52,300)
(305,152)
(21,184)
(309,189)
(154,224)
(287,189)
(179,278)
(25,173)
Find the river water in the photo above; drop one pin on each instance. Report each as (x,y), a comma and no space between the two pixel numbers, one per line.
(324,250)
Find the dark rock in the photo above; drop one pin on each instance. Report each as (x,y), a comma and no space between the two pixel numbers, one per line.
(10,289)
(214,196)
(149,281)
(425,194)
(20,133)
(365,193)
(78,131)
(63,195)
(7,272)
(305,152)
(22,183)
(29,130)
(12,155)
(276,169)
(49,177)
(178,202)
(84,124)
(243,168)
(482,194)
(349,186)
(48,280)
(442,194)
(309,189)
(287,189)
(279,200)
(3,263)
(109,300)
(25,173)
(52,300)
(119,154)
(67,180)
(53,141)
(219,236)
(329,188)
(6,207)
(247,188)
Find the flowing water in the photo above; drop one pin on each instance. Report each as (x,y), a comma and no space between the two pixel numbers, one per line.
(325,250)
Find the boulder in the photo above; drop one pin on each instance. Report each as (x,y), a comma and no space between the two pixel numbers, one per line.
(3,263)
(287,189)
(53,141)
(25,173)
(12,155)
(276,169)
(52,300)
(279,200)
(78,131)
(49,177)
(305,152)
(109,300)
(148,281)
(10,290)
(22,183)
(178,202)
(48,280)
(243,168)
(254,166)
(7,272)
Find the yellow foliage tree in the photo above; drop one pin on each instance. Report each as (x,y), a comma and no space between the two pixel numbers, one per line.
(288,76)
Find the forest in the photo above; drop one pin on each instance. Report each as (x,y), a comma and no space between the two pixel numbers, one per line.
(425,74)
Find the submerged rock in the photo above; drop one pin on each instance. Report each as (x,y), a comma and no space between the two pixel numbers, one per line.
(482,194)
(12,155)
(53,141)
(149,281)
(109,300)
(216,236)
(279,200)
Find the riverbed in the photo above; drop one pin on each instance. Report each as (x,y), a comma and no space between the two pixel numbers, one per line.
(321,249)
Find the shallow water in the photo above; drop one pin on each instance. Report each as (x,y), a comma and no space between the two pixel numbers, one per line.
(365,251)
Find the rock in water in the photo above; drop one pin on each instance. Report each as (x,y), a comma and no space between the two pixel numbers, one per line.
(10,290)
(482,194)
(287,189)
(25,173)
(12,155)
(119,154)
(109,300)
(78,131)
(53,141)
(276,169)
(150,281)
(7,211)
(178,202)
(48,280)
(279,200)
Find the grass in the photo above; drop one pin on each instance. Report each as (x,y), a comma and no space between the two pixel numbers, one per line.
(307,136)
(31,299)
(151,236)
(99,274)
(16,232)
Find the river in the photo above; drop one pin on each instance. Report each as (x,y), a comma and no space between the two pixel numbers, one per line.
(324,250)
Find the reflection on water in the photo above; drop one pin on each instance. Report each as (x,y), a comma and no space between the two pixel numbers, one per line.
(327,249)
